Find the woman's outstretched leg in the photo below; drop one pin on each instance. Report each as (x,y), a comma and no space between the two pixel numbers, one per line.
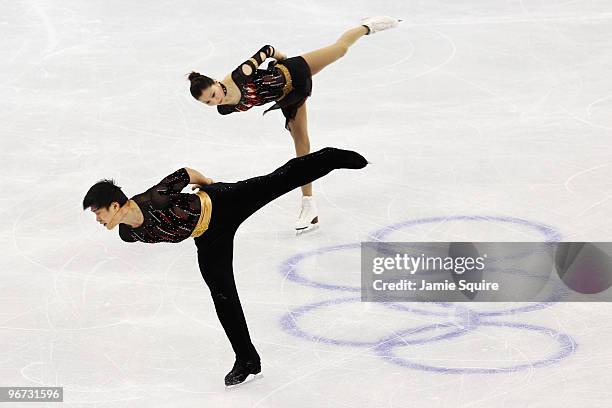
(319,59)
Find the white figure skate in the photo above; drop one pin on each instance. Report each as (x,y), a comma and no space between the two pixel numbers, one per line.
(379,23)
(309,218)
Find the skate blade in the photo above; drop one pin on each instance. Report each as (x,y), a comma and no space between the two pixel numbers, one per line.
(308,229)
(249,379)
(313,224)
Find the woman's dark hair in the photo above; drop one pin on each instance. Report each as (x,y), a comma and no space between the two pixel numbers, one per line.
(103,194)
(199,83)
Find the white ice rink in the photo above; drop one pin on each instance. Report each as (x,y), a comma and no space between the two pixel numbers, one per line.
(484,120)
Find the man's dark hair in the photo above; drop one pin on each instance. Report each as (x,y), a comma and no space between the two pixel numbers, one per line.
(103,194)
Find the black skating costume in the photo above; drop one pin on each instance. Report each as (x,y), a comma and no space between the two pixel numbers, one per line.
(213,218)
(288,83)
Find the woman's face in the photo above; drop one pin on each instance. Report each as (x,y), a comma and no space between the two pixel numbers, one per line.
(213,95)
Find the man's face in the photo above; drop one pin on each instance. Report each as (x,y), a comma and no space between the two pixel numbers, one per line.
(105,215)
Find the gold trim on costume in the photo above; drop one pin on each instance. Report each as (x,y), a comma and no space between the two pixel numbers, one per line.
(205,213)
(288,81)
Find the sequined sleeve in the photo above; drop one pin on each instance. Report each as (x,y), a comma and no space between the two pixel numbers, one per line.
(240,75)
(175,182)
(172,184)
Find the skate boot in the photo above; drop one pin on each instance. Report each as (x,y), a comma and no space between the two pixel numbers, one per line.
(243,371)
(348,159)
(308,218)
(379,23)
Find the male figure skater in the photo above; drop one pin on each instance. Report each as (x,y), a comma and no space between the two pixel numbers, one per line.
(211,217)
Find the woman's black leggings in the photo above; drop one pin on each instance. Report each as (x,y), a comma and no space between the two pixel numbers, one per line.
(232,203)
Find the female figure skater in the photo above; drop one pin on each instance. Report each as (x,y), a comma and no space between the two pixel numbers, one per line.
(288,83)
(211,217)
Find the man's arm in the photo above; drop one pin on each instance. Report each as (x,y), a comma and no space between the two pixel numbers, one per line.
(197,178)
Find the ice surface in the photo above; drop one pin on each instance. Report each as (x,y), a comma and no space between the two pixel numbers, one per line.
(471,112)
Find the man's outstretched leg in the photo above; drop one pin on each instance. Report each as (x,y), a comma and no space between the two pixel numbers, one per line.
(247,196)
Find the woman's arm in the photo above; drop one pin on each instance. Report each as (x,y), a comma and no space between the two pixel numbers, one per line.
(248,67)
(279,56)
